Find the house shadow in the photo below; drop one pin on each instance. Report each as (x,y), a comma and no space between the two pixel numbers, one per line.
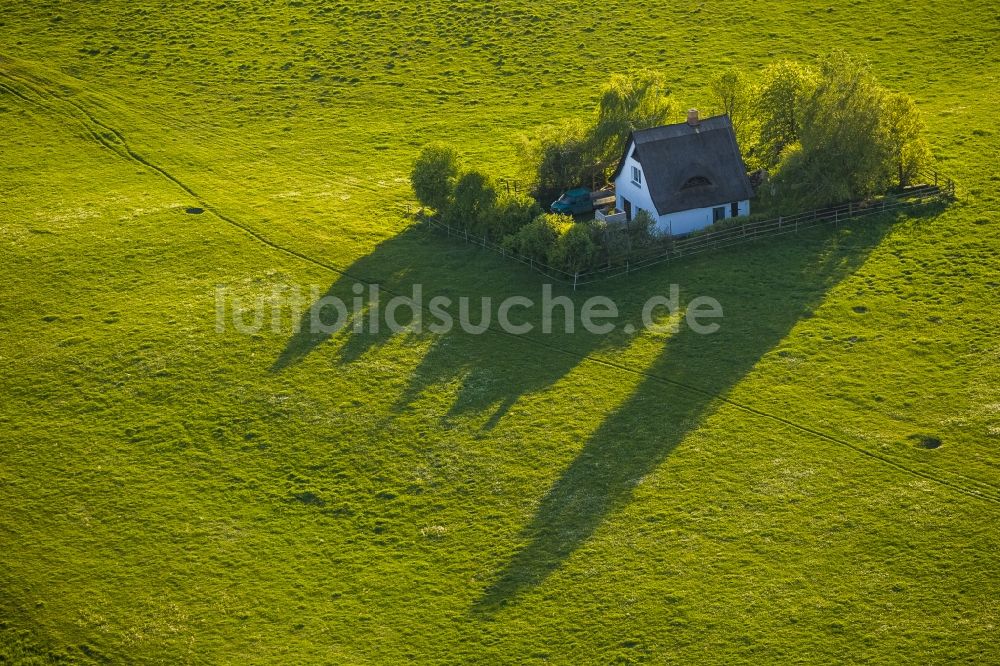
(783,282)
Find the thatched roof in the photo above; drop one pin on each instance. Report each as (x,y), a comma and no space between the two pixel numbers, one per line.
(690,166)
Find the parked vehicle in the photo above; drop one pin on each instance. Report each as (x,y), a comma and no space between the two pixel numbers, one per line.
(574,202)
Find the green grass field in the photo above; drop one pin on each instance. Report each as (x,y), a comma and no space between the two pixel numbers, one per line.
(173,494)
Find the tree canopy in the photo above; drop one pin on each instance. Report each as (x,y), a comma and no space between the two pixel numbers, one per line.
(433,176)
(628,102)
(828,132)
(559,157)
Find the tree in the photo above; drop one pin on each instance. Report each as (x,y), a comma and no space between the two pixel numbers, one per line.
(557,158)
(614,240)
(856,138)
(784,89)
(628,102)
(642,229)
(736,96)
(903,129)
(473,202)
(433,176)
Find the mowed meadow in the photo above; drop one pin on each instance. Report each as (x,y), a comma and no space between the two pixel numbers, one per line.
(170,493)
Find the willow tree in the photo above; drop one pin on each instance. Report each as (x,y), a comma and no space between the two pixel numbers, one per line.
(628,102)
(558,157)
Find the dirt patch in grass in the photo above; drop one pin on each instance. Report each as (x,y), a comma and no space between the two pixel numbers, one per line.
(926,441)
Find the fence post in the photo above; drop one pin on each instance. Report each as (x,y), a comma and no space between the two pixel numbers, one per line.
(575,276)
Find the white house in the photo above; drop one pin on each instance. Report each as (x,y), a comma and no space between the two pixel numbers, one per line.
(686,176)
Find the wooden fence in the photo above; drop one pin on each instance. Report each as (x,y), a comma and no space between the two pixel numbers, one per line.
(937,188)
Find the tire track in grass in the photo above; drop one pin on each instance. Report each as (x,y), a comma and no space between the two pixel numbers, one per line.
(122,149)
(981,490)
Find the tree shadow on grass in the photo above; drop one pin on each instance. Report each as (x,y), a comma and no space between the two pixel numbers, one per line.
(491,370)
(765,289)
(771,288)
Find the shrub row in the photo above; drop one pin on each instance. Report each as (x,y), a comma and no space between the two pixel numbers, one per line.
(469,200)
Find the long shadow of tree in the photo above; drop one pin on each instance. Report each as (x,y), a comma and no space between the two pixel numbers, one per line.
(781,284)
(494,369)
(765,288)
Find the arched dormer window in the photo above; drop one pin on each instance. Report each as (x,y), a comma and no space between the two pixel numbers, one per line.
(696,181)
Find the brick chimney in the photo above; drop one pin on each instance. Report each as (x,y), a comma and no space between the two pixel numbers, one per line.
(693,117)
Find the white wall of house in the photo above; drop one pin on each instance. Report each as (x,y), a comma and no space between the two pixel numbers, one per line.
(625,188)
(686,221)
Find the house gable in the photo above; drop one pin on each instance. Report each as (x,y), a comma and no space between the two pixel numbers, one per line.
(632,189)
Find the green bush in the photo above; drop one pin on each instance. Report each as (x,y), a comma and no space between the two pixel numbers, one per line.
(433,176)
(614,243)
(511,213)
(574,249)
(642,229)
(535,239)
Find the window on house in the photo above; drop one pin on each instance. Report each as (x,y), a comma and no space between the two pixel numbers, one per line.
(636,175)
(718,213)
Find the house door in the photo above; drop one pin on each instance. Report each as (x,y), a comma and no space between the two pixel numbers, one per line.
(734,208)
(627,207)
